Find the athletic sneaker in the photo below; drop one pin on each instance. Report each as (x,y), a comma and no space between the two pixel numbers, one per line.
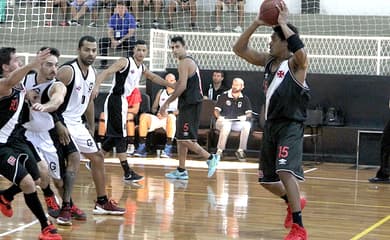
(379,180)
(132,177)
(141,150)
(53,209)
(50,233)
(240,155)
(296,233)
(213,165)
(167,152)
(237,29)
(130,150)
(65,217)
(5,207)
(177,175)
(288,221)
(77,213)
(109,208)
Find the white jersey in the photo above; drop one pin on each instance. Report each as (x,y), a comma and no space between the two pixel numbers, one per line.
(163,98)
(78,94)
(126,80)
(39,121)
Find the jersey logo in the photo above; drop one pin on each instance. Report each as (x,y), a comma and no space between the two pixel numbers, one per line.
(14,105)
(78,88)
(11,160)
(239,104)
(228,103)
(282,161)
(280,74)
(132,71)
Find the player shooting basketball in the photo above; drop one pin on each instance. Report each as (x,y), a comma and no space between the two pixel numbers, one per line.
(287,96)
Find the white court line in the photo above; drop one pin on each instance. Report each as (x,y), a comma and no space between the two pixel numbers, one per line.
(21,228)
(310,170)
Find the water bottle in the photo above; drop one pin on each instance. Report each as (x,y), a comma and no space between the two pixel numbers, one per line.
(210,92)
(3,5)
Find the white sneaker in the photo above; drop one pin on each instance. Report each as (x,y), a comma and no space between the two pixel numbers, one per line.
(237,29)
(130,149)
(217,28)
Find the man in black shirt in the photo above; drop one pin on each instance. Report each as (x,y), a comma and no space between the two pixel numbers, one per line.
(233,112)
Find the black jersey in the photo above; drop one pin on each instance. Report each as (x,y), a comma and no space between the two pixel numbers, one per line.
(10,109)
(286,98)
(231,107)
(193,92)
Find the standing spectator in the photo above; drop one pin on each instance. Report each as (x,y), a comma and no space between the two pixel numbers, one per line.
(233,112)
(150,122)
(287,97)
(223,5)
(383,174)
(121,32)
(217,87)
(157,5)
(79,8)
(176,5)
(190,96)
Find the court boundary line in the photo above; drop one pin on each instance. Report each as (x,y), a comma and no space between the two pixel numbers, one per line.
(371,228)
(21,228)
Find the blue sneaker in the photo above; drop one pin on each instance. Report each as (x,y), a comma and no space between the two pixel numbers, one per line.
(141,150)
(177,175)
(167,152)
(213,165)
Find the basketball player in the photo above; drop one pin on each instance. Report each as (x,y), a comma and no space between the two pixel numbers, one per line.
(189,91)
(128,73)
(79,78)
(287,96)
(150,122)
(45,95)
(18,163)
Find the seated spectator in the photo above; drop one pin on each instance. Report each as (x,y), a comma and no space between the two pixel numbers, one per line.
(78,8)
(134,102)
(150,122)
(217,86)
(233,112)
(157,5)
(121,33)
(223,5)
(63,4)
(176,5)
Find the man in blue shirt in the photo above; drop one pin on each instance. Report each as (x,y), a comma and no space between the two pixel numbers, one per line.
(121,32)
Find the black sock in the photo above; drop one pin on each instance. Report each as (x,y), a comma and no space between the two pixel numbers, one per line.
(66,205)
(71,202)
(102,200)
(297,218)
(10,192)
(47,192)
(142,139)
(210,157)
(33,203)
(284,197)
(125,167)
(181,169)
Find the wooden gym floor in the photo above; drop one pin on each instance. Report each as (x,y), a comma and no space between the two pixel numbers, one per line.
(231,205)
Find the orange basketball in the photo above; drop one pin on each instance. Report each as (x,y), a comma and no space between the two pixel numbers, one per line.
(268,11)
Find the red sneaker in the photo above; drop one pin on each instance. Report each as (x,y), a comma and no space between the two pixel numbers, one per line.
(50,233)
(296,233)
(109,208)
(65,217)
(288,221)
(53,209)
(5,207)
(77,213)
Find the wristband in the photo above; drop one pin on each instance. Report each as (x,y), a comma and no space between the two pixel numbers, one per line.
(294,43)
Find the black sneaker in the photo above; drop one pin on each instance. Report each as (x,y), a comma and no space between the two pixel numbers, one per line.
(379,180)
(133,177)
